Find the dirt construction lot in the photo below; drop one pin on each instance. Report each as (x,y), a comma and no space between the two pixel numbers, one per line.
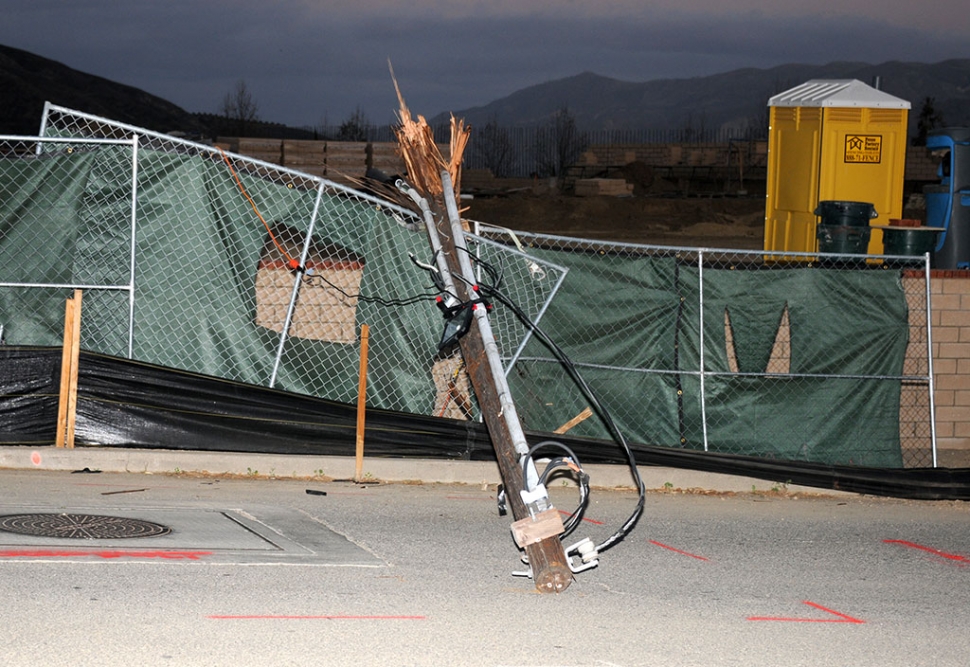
(712,222)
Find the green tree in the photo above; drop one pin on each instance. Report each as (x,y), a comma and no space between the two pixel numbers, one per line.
(929,119)
(355,128)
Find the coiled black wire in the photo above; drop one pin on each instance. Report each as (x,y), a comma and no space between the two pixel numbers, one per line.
(493,291)
(573,520)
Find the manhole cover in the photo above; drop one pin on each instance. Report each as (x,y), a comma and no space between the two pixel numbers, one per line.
(80,526)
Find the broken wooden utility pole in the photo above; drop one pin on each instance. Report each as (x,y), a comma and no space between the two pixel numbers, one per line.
(538,524)
(433,186)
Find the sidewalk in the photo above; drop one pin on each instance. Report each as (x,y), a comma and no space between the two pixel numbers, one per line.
(426,471)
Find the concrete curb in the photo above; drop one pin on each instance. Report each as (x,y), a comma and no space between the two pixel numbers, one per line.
(425,471)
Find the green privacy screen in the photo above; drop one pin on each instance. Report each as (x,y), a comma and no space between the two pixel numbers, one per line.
(797,361)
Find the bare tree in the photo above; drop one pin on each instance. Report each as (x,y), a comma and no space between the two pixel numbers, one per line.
(694,130)
(757,122)
(495,147)
(559,144)
(239,106)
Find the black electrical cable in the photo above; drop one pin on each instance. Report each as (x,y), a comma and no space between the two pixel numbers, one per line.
(582,479)
(389,303)
(596,405)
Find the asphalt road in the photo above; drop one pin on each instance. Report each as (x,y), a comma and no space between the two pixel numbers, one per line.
(258,572)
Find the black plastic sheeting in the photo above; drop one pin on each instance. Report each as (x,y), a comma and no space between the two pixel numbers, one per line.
(124,403)
(132,404)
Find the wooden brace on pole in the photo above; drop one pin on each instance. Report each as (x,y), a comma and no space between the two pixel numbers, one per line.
(578,419)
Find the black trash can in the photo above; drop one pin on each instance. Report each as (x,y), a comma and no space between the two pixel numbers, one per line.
(843,227)
(909,241)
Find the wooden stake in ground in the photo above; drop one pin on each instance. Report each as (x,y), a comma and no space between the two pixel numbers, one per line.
(361,402)
(547,559)
(67,403)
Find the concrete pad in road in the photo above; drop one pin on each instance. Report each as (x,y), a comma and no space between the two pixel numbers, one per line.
(246,535)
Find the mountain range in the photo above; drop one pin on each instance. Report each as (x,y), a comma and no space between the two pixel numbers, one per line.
(732,100)
(27,81)
(735,99)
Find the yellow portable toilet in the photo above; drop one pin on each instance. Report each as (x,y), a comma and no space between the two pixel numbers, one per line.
(832,140)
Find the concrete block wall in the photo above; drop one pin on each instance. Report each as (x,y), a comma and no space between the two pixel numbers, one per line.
(356,157)
(681,154)
(950,315)
(920,164)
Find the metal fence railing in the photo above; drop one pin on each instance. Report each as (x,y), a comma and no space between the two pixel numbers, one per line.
(747,353)
(527,136)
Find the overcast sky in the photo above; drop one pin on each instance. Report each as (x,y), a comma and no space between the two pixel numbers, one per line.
(310,62)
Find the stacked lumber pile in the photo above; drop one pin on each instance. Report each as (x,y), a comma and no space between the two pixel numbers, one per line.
(267,150)
(603,187)
(307,156)
(327,307)
(346,161)
(452,389)
(386,157)
(324,311)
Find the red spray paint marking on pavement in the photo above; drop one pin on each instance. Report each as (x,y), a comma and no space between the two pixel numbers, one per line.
(682,553)
(51,553)
(842,618)
(935,552)
(592,521)
(271,617)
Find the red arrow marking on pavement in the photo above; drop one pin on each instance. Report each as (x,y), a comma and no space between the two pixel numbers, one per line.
(683,553)
(271,617)
(842,618)
(50,553)
(935,552)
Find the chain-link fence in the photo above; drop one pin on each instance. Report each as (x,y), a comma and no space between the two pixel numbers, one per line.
(196,259)
(187,258)
(66,222)
(823,358)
